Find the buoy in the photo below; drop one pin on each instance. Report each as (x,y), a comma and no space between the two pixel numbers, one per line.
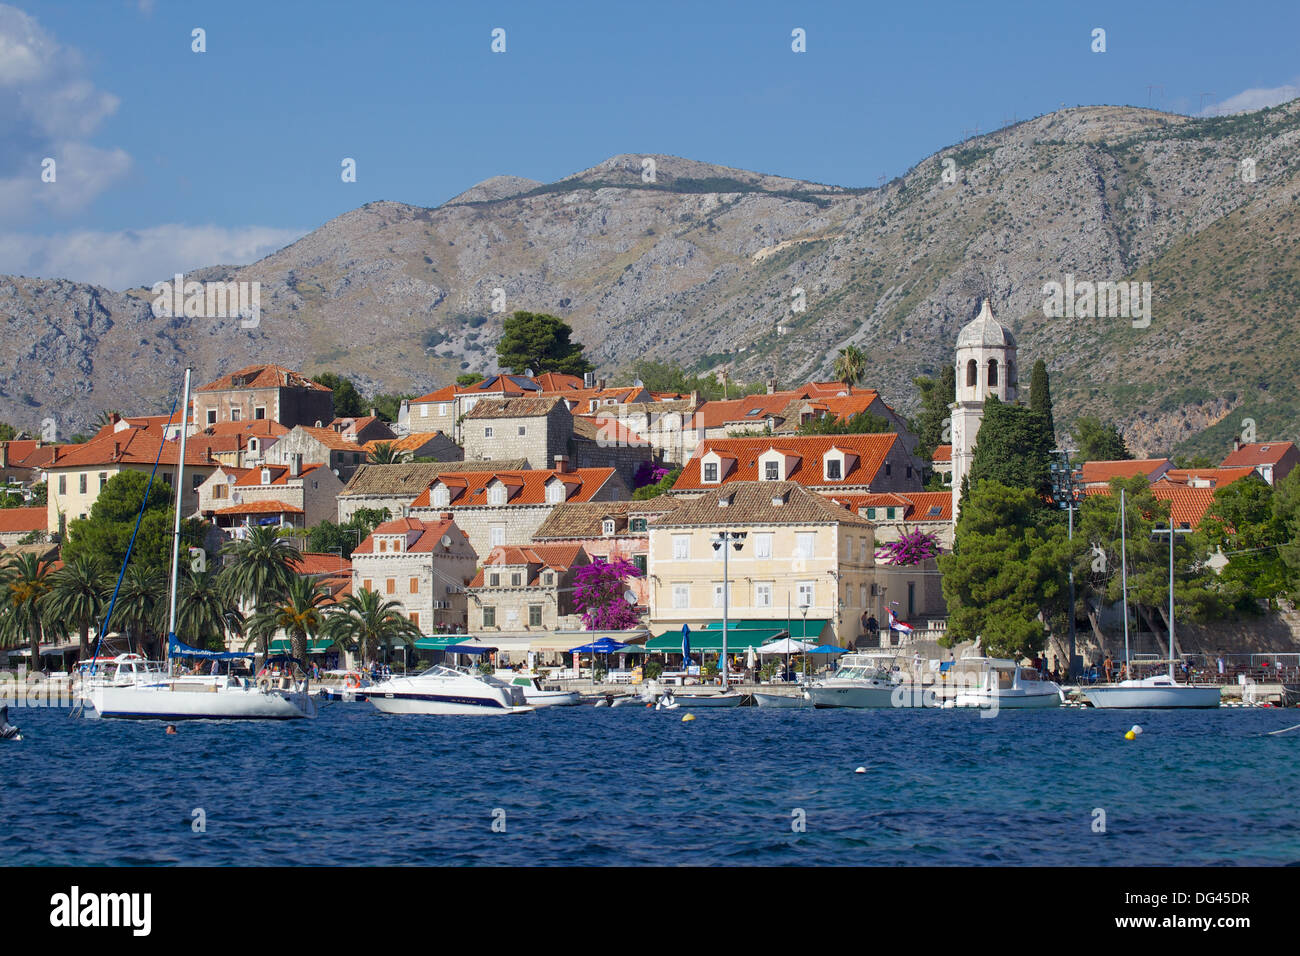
(861,770)
(688,717)
(1137,730)
(1130,736)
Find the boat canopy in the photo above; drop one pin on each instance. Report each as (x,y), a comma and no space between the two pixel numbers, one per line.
(177,648)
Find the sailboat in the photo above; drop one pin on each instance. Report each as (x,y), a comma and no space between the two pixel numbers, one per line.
(134,688)
(1161,690)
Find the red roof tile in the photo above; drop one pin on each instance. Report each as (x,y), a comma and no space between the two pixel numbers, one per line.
(268,507)
(421,536)
(279,474)
(523,487)
(871,451)
(942,453)
(137,446)
(1101,472)
(553,557)
(22,520)
(1258,453)
(263,376)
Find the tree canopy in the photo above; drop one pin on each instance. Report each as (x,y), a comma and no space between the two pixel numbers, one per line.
(541,342)
(933,424)
(863,423)
(1099,441)
(1011,448)
(106,532)
(348,402)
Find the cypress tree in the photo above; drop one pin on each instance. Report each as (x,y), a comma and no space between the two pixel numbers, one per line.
(1040,401)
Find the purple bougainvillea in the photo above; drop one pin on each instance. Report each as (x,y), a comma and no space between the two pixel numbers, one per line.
(598,593)
(648,474)
(912,548)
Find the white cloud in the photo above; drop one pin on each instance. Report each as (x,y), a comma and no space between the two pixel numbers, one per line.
(49,108)
(1256,99)
(131,258)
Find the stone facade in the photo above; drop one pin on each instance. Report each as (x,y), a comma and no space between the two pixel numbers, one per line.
(525,589)
(986,365)
(318,444)
(406,561)
(537,430)
(263,392)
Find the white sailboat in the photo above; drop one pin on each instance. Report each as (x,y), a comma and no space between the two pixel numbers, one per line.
(151,690)
(1160,691)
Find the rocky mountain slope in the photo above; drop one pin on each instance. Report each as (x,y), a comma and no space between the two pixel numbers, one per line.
(701,265)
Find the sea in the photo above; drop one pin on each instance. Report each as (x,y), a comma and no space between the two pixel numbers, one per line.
(631,786)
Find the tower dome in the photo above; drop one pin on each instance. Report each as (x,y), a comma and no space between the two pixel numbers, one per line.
(984,331)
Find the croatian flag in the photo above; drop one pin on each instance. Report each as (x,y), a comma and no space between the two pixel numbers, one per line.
(896,625)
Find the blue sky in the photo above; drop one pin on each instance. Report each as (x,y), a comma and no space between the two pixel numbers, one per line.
(170,159)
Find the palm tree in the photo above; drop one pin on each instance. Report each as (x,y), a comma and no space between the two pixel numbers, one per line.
(369,621)
(258,566)
(24,582)
(298,610)
(206,611)
(850,365)
(141,601)
(79,595)
(386,453)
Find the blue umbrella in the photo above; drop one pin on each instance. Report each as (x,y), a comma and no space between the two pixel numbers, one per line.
(605,645)
(686,644)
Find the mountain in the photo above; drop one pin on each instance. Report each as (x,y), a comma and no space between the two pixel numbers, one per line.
(698,265)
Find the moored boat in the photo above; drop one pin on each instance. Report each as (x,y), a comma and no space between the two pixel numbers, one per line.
(992,683)
(443,690)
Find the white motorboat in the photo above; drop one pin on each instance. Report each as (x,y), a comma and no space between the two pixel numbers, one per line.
(670,700)
(447,690)
(993,684)
(859,681)
(1158,692)
(535,694)
(782,700)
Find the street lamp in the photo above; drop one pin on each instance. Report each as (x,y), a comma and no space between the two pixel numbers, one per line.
(719,542)
(1067,492)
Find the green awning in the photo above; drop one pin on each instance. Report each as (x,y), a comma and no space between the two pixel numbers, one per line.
(282,645)
(799,628)
(441,642)
(708,639)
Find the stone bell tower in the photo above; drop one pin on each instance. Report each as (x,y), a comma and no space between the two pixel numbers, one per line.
(986,365)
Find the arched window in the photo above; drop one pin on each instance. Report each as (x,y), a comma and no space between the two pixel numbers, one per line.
(993,373)
(972,374)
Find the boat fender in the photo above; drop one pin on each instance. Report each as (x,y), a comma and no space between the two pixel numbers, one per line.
(1130,736)
(1137,730)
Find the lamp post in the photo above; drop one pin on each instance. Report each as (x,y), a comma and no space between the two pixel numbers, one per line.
(720,541)
(1067,489)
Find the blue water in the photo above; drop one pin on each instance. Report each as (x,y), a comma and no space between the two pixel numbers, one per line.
(629,786)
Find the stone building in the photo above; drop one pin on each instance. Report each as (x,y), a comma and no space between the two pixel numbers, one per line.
(986,365)
(526,589)
(325,445)
(263,392)
(425,566)
(232,497)
(394,487)
(539,430)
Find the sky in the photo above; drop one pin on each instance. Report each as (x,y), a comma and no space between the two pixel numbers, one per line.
(167,159)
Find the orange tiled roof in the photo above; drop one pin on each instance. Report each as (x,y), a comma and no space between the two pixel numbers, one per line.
(871,451)
(136,446)
(751,408)
(317,562)
(255,426)
(279,474)
(1218,477)
(523,487)
(410,442)
(942,453)
(422,536)
(1187,505)
(1258,453)
(553,557)
(916,505)
(268,507)
(330,438)
(1101,472)
(263,376)
(22,520)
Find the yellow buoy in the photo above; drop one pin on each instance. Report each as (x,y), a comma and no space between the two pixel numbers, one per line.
(688,717)
(1130,736)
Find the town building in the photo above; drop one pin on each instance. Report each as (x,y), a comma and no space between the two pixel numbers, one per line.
(432,445)
(241,444)
(260,392)
(526,589)
(392,488)
(297,495)
(1272,460)
(363,429)
(1099,474)
(325,445)
(423,565)
(19,523)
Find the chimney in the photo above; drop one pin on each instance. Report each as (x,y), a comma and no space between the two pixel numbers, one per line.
(4,454)
(589,380)
(1236,444)
(695,398)
(295,465)
(372,413)
(771,385)
(117,449)
(562,464)
(445,516)
(54,456)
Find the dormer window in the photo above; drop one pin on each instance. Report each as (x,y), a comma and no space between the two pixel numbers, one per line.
(441,496)
(637,525)
(771,471)
(497,494)
(711,472)
(266,476)
(607,526)
(834,469)
(555,492)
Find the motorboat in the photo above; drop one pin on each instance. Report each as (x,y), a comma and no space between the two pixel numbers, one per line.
(860,681)
(670,701)
(1160,691)
(782,700)
(447,690)
(535,693)
(993,684)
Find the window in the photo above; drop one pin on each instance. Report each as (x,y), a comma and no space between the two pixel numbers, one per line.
(81,482)
(681,596)
(391,586)
(803,547)
(637,524)
(63,484)
(548,578)
(415,618)
(771,471)
(862,594)
(195,480)
(763,544)
(711,471)
(424,411)
(516,579)
(366,584)
(889,468)
(607,526)
(219,490)
(972,374)
(890,513)
(442,408)
(911,598)
(383,545)
(833,472)
(415,585)
(555,492)
(103,480)
(522,430)
(993,372)
(681,547)
(871,514)
(534,615)
(763,594)
(441,496)
(717,594)
(259,413)
(487,431)
(212,416)
(806,593)
(236,414)
(639,562)
(497,535)
(497,494)
(494,580)
(909,471)
(489,616)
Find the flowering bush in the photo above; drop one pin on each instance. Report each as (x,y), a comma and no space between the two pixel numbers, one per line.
(649,474)
(598,594)
(912,548)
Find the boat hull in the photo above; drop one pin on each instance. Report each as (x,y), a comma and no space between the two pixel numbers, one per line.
(1119,697)
(162,703)
(551,698)
(872,697)
(708,700)
(781,700)
(1008,701)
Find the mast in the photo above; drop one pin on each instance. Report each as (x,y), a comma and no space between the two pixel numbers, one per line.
(179,490)
(1171,592)
(1123,557)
